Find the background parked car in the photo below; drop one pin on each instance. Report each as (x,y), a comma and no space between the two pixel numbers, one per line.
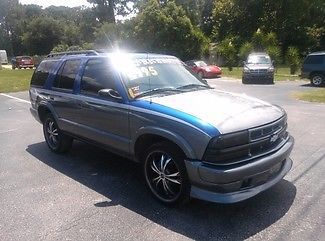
(3,57)
(259,69)
(22,62)
(313,68)
(203,69)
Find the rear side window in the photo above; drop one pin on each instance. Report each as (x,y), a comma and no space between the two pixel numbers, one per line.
(315,59)
(42,72)
(67,74)
(98,74)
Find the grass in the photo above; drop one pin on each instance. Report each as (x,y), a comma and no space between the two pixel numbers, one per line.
(317,95)
(282,73)
(15,80)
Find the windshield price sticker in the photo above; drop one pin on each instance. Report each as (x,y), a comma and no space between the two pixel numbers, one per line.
(139,72)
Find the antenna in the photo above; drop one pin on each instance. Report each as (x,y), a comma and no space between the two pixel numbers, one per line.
(149,78)
(109,41)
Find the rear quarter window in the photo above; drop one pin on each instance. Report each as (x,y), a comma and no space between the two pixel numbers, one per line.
(315,59)
(42,72)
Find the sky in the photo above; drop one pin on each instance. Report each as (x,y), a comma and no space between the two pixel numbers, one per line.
(46,3)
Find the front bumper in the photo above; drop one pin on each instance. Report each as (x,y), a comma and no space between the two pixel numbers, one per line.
(35,114)
(211,74)
(258,76)
(230,184)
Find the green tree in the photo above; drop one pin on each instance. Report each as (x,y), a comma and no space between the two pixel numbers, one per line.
(107,9)
(41,35)
(167,29)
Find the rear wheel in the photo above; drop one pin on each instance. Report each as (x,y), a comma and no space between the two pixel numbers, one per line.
(317,80)
(57,141)
(166,175)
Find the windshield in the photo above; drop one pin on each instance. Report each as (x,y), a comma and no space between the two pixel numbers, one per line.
(156,75)
(259,59)
(200,64)
(26,58)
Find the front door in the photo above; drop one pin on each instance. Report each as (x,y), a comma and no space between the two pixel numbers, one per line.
(102,119)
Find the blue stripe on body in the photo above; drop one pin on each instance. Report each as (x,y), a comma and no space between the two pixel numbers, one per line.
(197,122)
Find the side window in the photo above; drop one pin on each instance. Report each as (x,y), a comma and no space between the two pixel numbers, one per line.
(67,74)
(98,75)
(42,72)
(314,59)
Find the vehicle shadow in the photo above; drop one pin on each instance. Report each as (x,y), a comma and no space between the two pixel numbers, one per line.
(309,85)
(121,182)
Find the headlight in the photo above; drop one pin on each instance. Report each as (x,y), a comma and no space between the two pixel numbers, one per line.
(229,140)
(270,69)
(227,147)
(246,69)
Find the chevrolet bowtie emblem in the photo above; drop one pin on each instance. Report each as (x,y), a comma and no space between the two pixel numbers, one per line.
(274,138)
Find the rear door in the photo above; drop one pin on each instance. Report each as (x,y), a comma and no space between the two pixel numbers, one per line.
(62,96)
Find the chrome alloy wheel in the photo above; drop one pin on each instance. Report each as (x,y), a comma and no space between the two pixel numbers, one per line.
(52,134)
(163,176)
(317,80)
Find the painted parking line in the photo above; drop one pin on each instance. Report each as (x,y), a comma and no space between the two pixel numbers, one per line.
(15,98)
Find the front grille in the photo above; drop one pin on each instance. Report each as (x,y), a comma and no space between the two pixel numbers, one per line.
(258,71)
(262,140)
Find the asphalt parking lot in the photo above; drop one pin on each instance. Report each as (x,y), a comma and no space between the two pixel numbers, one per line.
(90,194)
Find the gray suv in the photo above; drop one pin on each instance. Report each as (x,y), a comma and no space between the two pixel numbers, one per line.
(191,140)
(259,69)
(313,68)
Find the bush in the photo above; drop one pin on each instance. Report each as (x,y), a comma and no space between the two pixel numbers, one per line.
(275,54)
(227,50)
(245,50)
(293,59)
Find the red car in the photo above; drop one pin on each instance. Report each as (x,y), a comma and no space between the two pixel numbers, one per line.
(22,62)
(203,69)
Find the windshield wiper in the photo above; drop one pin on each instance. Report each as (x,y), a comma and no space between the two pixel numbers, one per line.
(194,86)
(156,90)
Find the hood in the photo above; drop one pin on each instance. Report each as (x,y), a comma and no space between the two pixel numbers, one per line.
(212,68)
(228,112)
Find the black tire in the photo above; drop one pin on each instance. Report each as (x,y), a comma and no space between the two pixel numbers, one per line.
(57,141)
(245,81)
(165,174)
(317,80)
(271,81)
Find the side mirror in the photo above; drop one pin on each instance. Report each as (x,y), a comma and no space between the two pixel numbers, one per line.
(244,63)
(110,93)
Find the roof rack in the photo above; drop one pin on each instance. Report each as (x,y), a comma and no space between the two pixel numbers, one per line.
(84,52)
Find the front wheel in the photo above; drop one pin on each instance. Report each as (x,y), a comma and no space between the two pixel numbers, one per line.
(245,81)
(317,80)
(166,175)
(57,141)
